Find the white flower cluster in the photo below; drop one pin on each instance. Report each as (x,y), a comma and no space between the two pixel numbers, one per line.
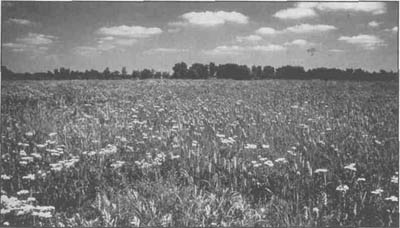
(64,164)
(24,207)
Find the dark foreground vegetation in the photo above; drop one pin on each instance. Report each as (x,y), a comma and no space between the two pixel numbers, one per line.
(207,71)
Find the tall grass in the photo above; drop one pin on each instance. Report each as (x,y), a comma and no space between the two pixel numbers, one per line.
(199,153)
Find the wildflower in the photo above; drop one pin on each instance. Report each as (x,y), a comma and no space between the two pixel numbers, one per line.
(29,134)
(264,146)
(392,198)
(29,177)
(27,158)
(377,191)
(5,177)
(351,167)
(22,153)
(320,171)
(250,146)
(291,153)
(31,199)
(91,153)
(42,214)
(378,142)
(342,188)
(23,162)
(281,160)
(36,155)
(361,179)
(56,167)
(117,164)
(41,146)
(175,156)
(269,163)
(395,179)
(315,210)
(22,192)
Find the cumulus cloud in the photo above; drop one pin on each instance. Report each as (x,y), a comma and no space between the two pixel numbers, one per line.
(164,50)
(394,29)
(374,24)
(299,42)
(267,31)
(336,50)
(249,38)
(368,42)
(308,9)
(367,7)
(86,50)
(302,28)
(211,19)
(130,31)
(20,21)
(295,13)
(33,42)
(237,50)
(307,28)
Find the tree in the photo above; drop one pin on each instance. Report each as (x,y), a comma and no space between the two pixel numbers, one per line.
(146,74)
(212,69)
(106,73)
(290,72)
(180,70)
(268,72)
(256,72)
(123,71)
(198,71)
(233,71)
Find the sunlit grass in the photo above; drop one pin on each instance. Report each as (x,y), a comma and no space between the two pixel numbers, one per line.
(199,153)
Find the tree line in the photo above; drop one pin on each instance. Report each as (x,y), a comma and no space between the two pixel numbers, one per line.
(209,71)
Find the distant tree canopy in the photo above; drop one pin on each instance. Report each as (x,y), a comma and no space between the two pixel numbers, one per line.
(211,70)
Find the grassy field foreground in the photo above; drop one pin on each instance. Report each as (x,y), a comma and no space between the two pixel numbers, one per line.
(199,153)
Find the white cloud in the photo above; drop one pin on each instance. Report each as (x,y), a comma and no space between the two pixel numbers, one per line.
(37,39)
(20,21)
(210,19)
(250,38)
(299,42)
(33,42)
(130,31)
(302,28)
(394,29)
(295,13)
(86,50)
(368,7)
(368,42)
(336,50)
(308,9)
(165,50)
(374,24)
(267,31)
(237,50)
(174,30)
(125,42)
(307,28)
(269,48)
(225,50)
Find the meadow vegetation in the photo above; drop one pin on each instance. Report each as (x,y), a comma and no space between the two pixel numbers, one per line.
(199,153)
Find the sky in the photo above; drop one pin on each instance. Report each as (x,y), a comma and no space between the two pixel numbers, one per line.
(42,36)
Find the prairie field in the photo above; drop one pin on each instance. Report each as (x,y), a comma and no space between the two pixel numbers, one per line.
(199,153)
